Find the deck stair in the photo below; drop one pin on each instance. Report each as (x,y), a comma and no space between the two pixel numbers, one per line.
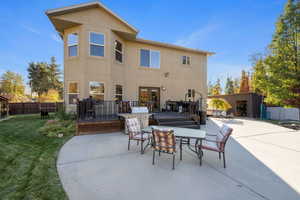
(176,120)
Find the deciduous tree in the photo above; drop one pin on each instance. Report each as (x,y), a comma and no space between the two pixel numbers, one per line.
(13,87)
(43,77)
(51,96)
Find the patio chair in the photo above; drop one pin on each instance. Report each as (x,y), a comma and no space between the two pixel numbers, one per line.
(164,142)
(135,133)
(216,142)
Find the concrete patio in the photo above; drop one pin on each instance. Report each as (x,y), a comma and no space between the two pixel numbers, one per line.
(263,162)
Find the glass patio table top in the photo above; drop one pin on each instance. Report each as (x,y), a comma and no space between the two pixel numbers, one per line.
(180,132)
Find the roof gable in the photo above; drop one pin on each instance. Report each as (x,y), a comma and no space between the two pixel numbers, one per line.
(55,13)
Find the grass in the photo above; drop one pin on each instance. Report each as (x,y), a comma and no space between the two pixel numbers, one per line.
(28,160)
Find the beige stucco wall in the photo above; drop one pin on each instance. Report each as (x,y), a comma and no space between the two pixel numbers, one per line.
(84,68)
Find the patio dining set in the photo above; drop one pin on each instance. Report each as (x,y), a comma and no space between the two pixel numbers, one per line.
(163,139)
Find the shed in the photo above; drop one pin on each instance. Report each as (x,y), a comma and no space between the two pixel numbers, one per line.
(243,104)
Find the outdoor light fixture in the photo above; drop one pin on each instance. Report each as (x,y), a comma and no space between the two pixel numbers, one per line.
(163,88)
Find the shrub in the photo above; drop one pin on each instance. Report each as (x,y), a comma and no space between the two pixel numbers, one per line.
(61,114)
(58,128)
(218,104)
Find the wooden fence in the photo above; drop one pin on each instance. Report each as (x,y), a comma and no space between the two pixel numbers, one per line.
(33,107)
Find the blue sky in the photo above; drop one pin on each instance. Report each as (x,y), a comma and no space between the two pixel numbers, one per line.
(234,29)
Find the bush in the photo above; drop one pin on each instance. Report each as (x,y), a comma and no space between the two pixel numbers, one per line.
(61,114)
(58,128)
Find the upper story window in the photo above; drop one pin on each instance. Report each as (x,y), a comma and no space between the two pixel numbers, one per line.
(186,60)
(96,44)
(73,92)
(118,51)
(119,93)
(73,44)
(97,90)
(150,58)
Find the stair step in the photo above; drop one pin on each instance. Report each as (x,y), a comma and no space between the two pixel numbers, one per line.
(195,126)
(178,123)
(172,119)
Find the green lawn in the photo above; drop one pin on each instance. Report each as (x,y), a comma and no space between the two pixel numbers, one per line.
(28,160)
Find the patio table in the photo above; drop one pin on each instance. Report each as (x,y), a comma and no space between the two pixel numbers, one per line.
(182,134)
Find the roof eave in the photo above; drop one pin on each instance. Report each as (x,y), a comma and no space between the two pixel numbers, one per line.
(94,4)
(162,44)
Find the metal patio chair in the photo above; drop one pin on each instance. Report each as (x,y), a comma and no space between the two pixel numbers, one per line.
(135,133)
(164,141)
(217,142)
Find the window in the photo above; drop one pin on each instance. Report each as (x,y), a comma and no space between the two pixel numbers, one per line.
(97,90)
(73,92)
(150,58)
(96,44)
(186,60)
(118,51)
(119,93)
(73,44)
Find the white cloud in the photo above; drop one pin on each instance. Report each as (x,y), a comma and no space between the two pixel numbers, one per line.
(198,36)
(56,38)
(31,29)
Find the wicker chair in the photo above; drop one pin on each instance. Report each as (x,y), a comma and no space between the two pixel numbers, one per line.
(135,133)
(164,142)
(216,142)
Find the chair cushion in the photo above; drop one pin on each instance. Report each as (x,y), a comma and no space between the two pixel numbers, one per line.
(164,140)
(223,133)
(210,145)
(133,126)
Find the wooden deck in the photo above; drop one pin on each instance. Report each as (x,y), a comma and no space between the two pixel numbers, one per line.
(103,126)
(115,124)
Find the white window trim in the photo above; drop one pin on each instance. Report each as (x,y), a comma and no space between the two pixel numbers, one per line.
(71,45)
(186,60)
(121,52)
(150,67)
(119,94)
(90,43)
(97,93)
(78,92)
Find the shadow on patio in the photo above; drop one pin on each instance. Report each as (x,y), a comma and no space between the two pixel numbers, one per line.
(100,167)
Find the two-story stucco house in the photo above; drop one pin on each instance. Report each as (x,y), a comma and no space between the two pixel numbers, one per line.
(104,58)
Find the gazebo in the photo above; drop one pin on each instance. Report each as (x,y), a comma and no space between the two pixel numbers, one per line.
(3,107)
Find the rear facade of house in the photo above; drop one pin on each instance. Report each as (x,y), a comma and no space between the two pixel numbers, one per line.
(104,58)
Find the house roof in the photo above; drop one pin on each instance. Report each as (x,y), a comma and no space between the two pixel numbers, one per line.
(132,38)
(61,24)
(167,45)
(83,6)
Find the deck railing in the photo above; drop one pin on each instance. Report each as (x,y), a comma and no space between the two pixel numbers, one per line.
(89,109)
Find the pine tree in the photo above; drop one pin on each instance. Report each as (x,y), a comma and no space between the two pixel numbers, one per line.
(217,88)
(229,88)
(236,85)
(209,88)
(54,76)
(277,75)
(43,77)
(244,86)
